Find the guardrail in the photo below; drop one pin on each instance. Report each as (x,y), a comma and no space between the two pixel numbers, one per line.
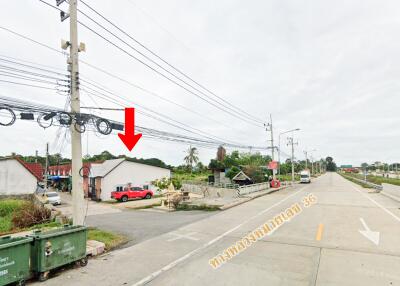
(375,186)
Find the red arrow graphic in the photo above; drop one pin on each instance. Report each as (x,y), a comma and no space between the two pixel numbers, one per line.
(130,138)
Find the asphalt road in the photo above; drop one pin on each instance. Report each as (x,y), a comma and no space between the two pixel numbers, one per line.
(140,225)
(327,243)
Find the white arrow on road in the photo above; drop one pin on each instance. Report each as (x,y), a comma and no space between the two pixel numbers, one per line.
(371,235)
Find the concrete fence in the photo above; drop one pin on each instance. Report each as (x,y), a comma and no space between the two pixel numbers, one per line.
(231,191)
(244,190)
(391,191)
(210,191)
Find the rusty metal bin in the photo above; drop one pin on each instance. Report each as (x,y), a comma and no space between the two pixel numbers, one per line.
(15,260)
(58,247)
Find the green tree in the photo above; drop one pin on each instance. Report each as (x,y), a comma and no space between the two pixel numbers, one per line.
(191,157)
(330,164)
(232,172)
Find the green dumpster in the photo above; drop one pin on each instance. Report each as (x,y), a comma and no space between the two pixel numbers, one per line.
(58,247)
(14,260)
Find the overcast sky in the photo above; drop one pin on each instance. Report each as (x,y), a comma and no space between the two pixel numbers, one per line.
(330,68)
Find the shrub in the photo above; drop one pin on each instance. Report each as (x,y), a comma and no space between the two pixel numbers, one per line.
(30,214)
(176,200)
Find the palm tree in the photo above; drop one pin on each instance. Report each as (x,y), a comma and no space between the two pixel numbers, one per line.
(191,157)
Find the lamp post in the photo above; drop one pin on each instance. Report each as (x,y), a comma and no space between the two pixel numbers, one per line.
(279,149)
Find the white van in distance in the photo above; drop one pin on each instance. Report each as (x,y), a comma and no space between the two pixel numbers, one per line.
(305,176)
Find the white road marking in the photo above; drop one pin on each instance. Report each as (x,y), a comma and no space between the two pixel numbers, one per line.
(378,204)
(371,235)
(182,236)
(204,246)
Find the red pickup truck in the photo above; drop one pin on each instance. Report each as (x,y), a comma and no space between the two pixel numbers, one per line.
(127,193)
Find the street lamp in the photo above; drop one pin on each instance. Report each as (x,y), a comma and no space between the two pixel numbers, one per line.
(279,149)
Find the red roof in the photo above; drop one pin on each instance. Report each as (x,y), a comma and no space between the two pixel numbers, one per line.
(64,170)
(35,169)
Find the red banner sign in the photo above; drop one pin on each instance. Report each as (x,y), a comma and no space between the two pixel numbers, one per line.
(273,165)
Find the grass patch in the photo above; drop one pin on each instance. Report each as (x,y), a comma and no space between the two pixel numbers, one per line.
(11,207)
(378,180)
(352,179)
(5,224)
(111,240)
(288,177)
(144,207)
(7,207)
(46,225)
(202,207)
(202,177)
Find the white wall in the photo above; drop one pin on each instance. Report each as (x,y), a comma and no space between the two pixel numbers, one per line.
(15,179)
(131,172)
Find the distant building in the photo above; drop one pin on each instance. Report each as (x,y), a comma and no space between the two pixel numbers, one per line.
(242,179)
(112,174)
(18,177)
(62,173)
(101,178)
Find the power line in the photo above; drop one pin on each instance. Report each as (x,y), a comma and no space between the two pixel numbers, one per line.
(160,58)
(32,67)
(198,131)
(98,86)
(31,40)
(24,84)
(36,42)
(163,75)
(156,117)
(225,109)
(168,136)
(108,73)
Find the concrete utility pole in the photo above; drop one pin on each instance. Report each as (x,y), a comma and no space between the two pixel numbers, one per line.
(47,167)
(312,165)
(305,154)
(271,129)
(291,142)
(279,149)
(76,140)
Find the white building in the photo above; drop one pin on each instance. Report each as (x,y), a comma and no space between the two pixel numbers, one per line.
(18,177)
(107,176)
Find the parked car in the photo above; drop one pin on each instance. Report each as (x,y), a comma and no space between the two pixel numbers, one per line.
(124,194)
(53,198)
(305,176)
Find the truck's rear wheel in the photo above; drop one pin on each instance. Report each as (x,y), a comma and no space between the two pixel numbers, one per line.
(124,199)
(148,196)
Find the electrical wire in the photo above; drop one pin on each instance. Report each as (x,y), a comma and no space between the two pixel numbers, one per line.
(197,131)
(217,106)
(152,61)
(164,61)
(107,73)
(163,135)
(165,76)
(30,85)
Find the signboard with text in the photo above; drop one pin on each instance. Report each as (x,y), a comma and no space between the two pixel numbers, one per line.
(273,165)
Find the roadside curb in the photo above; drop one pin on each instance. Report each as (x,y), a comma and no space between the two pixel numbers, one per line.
(225,207)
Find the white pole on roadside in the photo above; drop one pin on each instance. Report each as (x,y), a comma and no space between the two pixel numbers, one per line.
(291,142)
(76,140)
(46,168)
(279,149)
